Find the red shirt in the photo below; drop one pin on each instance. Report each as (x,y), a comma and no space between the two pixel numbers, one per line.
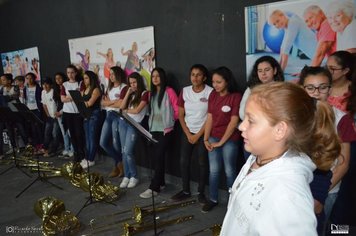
(326,34)
(222,108)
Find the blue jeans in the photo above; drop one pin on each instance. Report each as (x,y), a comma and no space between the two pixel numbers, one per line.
(226,156)
(128,137)
(91,128)
(51,134)
(110,138)
(66,138)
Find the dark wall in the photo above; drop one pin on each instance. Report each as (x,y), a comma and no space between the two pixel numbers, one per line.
(211,32)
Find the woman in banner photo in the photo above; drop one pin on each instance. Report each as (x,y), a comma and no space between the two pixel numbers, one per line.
(284,129)
(193,110)
(221,135)
(164,113)
(109,62)
(92,96)
(135,104)
(132,62)
(85,62)
(110,138)
(341,17)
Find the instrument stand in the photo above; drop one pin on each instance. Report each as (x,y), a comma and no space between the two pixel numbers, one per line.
(39,178)
(90,198)
(150,140)
(8,116)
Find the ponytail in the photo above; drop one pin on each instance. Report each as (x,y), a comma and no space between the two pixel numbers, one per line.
(312,128)
(326,145)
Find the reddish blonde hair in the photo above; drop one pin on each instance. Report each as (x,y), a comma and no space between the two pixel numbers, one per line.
(311,123)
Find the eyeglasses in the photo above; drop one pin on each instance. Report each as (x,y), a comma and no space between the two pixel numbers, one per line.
(323,88)
(332,69)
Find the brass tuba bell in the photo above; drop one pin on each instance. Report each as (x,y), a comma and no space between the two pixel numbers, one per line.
(48,206)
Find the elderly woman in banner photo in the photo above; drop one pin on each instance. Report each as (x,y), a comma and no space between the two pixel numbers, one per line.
(341,14)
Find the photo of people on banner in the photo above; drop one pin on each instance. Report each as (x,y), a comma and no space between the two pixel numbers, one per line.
(299,33)
(21,62)
(133,50)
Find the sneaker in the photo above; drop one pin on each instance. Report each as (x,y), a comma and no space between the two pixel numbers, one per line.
(180,196)
(125,181)
(132,183)
(65,153)
(208,206)
(71,154)
(201,199)
(148,193)
(87,164)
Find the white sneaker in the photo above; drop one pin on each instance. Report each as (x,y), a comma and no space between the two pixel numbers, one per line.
(132,183)
(87,163)
(65,153)
(71,154)
(148,193)
(125,181)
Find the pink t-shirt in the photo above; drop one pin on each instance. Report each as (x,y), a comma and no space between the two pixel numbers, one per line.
(222,108)
(340,102)
(326,34)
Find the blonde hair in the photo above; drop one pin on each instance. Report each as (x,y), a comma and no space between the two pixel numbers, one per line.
(311,123)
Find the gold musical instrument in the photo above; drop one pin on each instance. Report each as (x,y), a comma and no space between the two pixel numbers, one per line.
(72,171)
(47,206)
(139,228)
(55,219)
(139,214)
(215,230)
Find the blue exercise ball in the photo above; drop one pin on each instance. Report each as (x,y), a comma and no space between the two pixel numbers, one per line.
(273,37)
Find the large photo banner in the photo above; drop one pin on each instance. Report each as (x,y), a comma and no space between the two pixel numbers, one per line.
(299,33)
(21,62)
(133,50)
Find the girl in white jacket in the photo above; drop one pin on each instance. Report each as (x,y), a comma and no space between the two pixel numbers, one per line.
(286,131)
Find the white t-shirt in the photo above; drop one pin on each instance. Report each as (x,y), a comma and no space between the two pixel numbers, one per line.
(195,106)
(114,94)
(139,116)
(47,99)
(69,107)
(31,98)
(347,39)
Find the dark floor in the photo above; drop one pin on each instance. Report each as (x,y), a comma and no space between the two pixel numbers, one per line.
(17,216)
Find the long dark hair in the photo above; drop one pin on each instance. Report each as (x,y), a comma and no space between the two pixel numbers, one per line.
(94,81)
(119,74)
(163,84)
(136,96)
(227,75)
(254,80)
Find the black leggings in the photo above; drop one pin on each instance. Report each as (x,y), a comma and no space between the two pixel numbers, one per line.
(74,123)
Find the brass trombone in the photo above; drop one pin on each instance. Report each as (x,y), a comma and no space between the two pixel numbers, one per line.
(137,228)
(139,214)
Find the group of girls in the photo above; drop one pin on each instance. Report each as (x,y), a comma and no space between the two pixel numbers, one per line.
(295,180)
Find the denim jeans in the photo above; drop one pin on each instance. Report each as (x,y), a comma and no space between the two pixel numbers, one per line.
(66,137)
(226,156)
(185,160)
(110,138)
(91,128)
(51,134)
(128,137)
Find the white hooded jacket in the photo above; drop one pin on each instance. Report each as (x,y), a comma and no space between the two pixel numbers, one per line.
(272,200)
